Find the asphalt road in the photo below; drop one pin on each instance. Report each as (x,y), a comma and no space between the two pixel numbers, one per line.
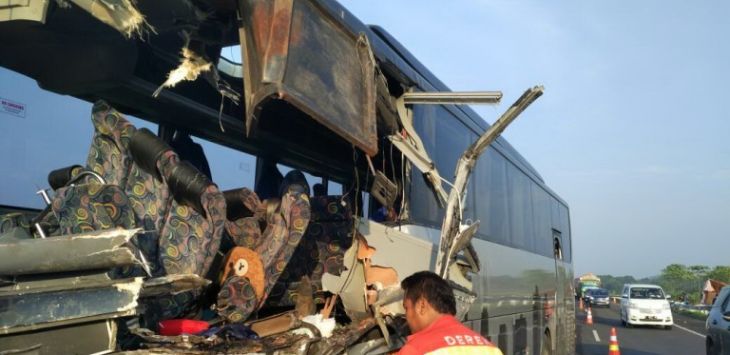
(686,337)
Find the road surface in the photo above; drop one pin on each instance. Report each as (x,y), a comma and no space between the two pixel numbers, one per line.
(686,337)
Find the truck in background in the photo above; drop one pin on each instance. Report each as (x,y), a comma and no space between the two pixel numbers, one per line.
(585,282)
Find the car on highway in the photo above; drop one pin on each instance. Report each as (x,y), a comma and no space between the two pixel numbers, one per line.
(597,297)
(717,340)
(644,304)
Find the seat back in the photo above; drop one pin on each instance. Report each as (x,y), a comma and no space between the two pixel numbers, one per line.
(111,157)
(192,230)
(322,249)
(190,217)
(286,220)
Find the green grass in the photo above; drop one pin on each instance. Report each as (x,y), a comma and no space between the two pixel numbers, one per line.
(701,315)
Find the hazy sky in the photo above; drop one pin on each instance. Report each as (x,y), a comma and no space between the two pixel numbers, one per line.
(632,130)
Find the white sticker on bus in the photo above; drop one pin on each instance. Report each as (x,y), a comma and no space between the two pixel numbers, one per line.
(12,107)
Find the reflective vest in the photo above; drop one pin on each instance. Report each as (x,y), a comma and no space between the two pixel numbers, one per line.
(447,336)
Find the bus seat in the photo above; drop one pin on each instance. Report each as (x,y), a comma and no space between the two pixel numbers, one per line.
(167,197)
(115,154)
(322,249)
(61,177)
(109,153)
(89,207)
(286,221)
(191,234)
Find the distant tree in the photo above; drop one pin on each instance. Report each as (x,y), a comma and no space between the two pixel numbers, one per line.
(677,272)
(720,273)
(700,271)
(677,280)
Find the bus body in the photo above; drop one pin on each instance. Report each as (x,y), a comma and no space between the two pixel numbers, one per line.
(319,97)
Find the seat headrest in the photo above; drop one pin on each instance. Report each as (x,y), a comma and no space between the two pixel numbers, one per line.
(235,206)
(187,185)
(60,177)
(146,149)
(294,179)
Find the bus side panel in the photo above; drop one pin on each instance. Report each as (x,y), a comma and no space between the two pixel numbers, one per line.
(514,283)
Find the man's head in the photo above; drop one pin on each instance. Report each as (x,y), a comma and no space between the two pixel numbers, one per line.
(427,297)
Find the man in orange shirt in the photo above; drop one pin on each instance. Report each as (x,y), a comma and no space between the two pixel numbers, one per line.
(430,308)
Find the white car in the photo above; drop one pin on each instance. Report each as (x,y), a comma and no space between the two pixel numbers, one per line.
(645,305)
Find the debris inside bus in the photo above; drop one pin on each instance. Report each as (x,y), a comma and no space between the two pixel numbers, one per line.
(138,235)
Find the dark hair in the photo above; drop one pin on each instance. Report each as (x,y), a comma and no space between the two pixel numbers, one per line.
(435,290)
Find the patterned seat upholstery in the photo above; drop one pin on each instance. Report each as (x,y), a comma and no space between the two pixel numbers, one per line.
(148,195)
(90,207)
(285,222)
(323,248)
(192,230)
(14,225)
(182,234)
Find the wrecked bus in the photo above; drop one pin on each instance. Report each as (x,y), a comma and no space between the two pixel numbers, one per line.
(267,203)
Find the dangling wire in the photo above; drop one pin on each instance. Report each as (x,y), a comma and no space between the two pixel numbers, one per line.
(458,195)
(403,185)
(355,218)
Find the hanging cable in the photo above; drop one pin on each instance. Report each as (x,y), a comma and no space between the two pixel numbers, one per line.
(355,219)
(458,196)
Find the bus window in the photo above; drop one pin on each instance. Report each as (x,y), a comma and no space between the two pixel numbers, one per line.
(491,189)
(520,208)
(565,228)
(541,209)
(230,169)
(445,139)
(55,132)
(334,188)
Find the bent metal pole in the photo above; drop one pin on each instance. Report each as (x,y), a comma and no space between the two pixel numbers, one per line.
(451,227)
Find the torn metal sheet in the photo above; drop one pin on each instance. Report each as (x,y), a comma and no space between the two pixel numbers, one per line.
(350,285)
(173,284)
(390,244)
(385,266)
(282,343)
(293,50)
(464,299)
(11,10)
(87,251)
(451,226)
(122,15)
(98,337)
(390,301)
(462,241)
(30,308)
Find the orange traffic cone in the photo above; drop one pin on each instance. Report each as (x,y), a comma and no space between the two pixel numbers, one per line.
(589,317)
(613,344)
